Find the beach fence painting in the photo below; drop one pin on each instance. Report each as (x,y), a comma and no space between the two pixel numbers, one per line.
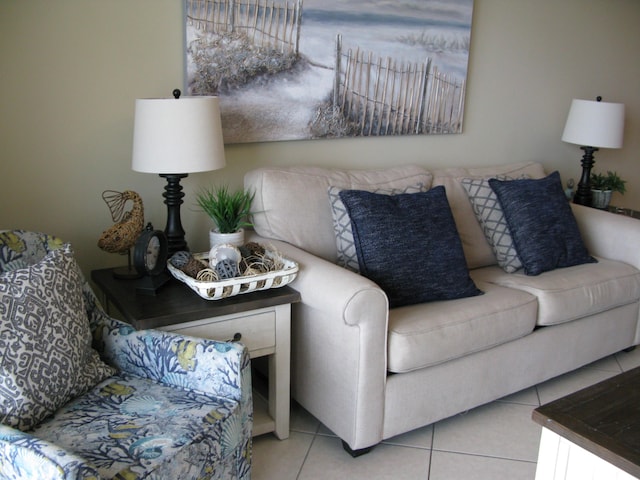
(305,69)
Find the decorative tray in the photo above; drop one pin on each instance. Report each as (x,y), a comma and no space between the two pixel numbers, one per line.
(217,290)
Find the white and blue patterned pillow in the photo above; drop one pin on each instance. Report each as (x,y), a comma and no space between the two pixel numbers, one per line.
(45,340)
(489,213)
(347,256)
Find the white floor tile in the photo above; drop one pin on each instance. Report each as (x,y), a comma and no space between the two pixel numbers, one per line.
(629,360)
(493,442)
(499,429)
(323,430)
(420,438)
(608,364)
(275,459)
(528,396)
(454,466)
(571,382)
(301,420)
(328,460)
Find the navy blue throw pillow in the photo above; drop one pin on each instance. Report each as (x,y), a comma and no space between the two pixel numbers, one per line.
(408,244)
(544,230)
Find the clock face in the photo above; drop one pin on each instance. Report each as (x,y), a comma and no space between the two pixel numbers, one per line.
(150,253)
(153,251)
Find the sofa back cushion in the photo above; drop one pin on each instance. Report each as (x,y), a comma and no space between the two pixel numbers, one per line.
(477,250)
(292,203)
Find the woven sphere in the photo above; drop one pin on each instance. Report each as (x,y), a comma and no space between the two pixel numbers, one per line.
(186,262)
(193,267)
(252,249)
(207,275)
(180,259)
(227,269)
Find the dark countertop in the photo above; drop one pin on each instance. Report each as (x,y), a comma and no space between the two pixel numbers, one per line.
(177,303)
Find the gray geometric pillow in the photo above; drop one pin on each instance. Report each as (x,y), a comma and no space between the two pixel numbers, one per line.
(45,341)
(347,256)
(494,225)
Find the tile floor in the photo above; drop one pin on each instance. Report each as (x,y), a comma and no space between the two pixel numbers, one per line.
(493,442)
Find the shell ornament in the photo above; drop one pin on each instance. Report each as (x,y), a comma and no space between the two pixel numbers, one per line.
(123,235)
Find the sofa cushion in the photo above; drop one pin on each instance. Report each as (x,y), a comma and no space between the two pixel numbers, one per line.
(490,215)
(132,427)
(409,246)
(45,340)
(428,334)
(477,250)
(291,203)
(567,294)
(347,256)
(542,224)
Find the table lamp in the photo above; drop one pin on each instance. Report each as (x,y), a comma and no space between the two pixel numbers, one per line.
(594,125)
(174,137)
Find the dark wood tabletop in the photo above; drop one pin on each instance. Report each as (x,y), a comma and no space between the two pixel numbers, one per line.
(629,212)
(603,419)
(176,303)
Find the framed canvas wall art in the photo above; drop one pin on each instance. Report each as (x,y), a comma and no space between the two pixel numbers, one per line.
(304,69)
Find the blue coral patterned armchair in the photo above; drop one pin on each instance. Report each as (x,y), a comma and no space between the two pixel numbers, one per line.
(84,396)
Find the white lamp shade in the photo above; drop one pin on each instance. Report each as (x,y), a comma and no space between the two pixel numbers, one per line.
(595,124)
(177,135)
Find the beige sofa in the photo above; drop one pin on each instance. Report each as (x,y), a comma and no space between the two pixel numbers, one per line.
(369,373)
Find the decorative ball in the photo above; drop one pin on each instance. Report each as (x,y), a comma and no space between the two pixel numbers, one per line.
(227,268)
(180,259)
(207,275)
(193,267)
(252,256)
(223,252)
(252,249)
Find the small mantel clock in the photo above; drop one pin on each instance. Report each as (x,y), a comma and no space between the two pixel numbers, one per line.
(150,254)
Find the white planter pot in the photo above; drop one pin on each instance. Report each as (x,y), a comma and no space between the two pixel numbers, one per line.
(600,198)
(217,238)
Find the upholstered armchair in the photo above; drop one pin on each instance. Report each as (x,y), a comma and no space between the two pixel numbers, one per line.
(85,396)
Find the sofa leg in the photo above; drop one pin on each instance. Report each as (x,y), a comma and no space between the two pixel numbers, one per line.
(630,349)
(355,453)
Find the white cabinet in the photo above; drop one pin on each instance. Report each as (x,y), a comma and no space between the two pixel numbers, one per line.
(265,332)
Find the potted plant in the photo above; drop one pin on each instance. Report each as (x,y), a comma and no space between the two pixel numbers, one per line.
(602,186)
(229,211)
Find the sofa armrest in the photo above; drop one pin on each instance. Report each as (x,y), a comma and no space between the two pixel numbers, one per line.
(609,235)
(339,346)
(319,280)
(24,456)
(208,366)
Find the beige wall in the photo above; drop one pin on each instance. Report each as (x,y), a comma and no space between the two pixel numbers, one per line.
(71,69)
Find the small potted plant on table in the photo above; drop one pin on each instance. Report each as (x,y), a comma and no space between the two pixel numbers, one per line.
(229,211)
(602,186)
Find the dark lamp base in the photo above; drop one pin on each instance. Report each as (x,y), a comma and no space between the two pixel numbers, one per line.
(173,195)
(583,193)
